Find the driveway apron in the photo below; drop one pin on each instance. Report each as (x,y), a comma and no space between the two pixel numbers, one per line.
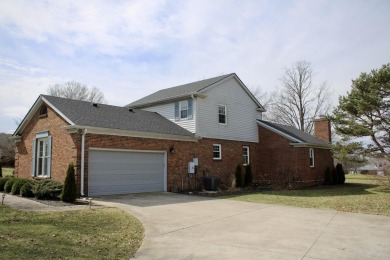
(189,227)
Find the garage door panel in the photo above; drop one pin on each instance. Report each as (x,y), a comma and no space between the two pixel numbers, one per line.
(120,172)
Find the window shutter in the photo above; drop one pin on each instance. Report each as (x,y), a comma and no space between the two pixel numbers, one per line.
(190,114)
(34,149)
(49,158)
(177,111)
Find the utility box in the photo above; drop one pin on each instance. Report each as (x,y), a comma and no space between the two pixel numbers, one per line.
(191,168)
(195,161)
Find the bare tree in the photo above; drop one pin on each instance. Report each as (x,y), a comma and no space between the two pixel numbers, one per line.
(298,101)
(7,149)
(76,90)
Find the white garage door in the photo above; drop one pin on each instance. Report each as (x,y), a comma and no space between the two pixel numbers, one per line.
(121,172)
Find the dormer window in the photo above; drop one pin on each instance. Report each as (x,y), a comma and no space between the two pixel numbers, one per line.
(43,111)
(222,114)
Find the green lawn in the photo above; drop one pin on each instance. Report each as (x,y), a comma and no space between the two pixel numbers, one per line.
(361,193)
(106,233)
(7,171)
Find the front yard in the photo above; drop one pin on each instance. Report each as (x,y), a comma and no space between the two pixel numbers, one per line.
(361,194)
(106,233)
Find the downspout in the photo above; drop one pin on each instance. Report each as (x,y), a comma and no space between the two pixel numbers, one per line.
(82,162)
(196,111)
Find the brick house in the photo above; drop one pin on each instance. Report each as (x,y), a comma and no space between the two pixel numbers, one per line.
(147,145)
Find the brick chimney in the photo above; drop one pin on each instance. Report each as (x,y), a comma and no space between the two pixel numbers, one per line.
(322,129)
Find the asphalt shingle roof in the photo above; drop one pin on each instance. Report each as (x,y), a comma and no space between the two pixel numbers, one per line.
(178,91)
(295,133)
(113,117)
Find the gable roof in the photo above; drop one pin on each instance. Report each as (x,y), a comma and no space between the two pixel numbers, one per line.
(85,114)
(194,88)
(295,135)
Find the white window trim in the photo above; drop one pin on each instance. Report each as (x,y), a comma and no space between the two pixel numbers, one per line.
(180,109)
(311,157)
(247,148)
(45,158)
(225,114)
(220,152)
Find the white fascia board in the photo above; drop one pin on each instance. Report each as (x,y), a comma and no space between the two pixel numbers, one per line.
(279,132)
(170,99)
(319,146)
(28,116)
(260,107)
(58,111)
(119,132)
(40,100)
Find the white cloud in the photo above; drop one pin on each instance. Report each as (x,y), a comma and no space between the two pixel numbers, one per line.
(129,49)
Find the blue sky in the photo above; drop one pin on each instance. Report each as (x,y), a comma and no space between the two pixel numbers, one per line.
(129,49)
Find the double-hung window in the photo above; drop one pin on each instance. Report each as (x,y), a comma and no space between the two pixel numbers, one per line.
(245,155)
(222,114)
(311,157)
(41,153)
(217,152)
(184,110)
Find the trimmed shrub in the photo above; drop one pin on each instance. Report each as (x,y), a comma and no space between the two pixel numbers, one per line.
(248,175)
(69,192)
(239,179)
(17,185)
(47,189)
(3,180)
(328,176)
(340,173)
(8,184)
(26,189)
(335,176)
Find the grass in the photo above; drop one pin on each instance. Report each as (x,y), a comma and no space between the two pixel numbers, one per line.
(106,233)
(361,194)
(7,171)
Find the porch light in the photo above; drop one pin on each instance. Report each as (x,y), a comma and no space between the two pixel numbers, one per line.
(171,149)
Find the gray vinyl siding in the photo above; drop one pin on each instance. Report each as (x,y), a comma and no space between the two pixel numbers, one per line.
(167,110)
(241,113)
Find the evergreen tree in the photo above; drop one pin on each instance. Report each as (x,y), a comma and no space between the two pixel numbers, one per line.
(239,179)
(248,175)
(365,111)
(69,192)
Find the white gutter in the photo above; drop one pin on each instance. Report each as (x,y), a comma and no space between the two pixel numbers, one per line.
(82,162)
(196,111)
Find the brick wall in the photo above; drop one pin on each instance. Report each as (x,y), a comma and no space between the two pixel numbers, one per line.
(322,129)
(64,150)
(177,163)
(273,159)
(280,164)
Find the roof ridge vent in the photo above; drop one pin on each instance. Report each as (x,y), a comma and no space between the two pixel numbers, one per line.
(131,109)
(95,104)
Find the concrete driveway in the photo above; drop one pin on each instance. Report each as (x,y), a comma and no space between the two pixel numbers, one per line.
(189,227)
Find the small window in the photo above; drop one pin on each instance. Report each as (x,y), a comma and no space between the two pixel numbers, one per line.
(245,155)
(311,155)
(43,111)
(184,109)
(217,153)
(222,114)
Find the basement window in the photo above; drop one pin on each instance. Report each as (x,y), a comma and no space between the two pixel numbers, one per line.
(311,156)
